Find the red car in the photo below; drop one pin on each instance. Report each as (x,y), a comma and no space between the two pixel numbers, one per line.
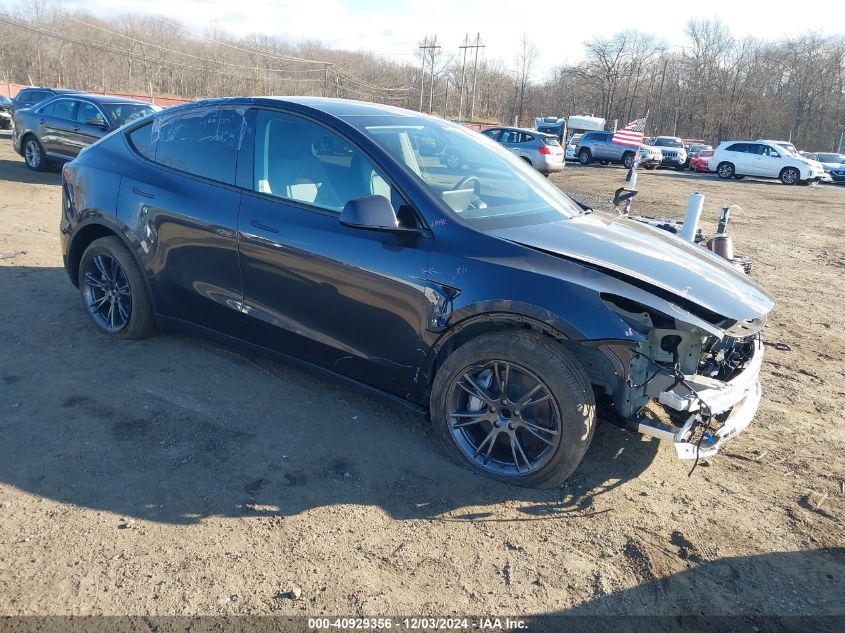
(699,161)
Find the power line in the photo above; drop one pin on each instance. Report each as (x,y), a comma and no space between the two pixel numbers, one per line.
(120,52)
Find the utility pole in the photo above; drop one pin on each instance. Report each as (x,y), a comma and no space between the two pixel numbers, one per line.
(476,46)
(427,49)
(446,105)
(464,46)
(660,96)
(326,81)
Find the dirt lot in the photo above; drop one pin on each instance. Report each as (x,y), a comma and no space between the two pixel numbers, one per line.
(173,476)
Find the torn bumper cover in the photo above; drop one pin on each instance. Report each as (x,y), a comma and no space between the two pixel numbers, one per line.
(738,398)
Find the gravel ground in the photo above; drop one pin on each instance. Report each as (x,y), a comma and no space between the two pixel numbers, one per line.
(173,476)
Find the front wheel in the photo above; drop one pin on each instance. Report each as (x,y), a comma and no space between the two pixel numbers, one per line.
(113,290)
(515,406)
(628,160)
(584,157)
(789,176)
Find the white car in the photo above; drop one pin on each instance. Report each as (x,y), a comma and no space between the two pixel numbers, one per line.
(764,159)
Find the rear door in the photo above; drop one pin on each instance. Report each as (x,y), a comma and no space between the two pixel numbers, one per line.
(605,148)
(56,121)
(180,204)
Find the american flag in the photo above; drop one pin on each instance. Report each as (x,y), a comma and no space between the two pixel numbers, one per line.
(631,134)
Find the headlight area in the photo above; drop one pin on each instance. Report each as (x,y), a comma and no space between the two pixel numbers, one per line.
(687,385)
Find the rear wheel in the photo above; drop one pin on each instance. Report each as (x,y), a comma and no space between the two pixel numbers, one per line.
(33,154)
(628,160)
(726,170)
(789,175)
(113,290)
(514,406)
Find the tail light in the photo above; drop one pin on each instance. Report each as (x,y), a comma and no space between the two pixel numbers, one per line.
(544,150)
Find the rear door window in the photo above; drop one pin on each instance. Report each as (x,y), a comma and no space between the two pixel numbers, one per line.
(200,141)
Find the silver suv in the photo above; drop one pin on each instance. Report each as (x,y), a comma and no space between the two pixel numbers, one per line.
(598,146)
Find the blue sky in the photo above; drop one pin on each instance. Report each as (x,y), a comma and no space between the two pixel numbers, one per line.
(395,27)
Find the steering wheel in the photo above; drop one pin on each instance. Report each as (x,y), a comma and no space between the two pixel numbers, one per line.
(466,180)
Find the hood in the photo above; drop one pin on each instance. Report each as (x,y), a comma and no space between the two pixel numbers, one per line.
(651,256)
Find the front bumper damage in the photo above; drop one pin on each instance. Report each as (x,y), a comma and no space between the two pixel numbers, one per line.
(732,405)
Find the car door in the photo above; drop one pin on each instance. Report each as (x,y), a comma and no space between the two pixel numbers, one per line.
(347,299)
(180,204)
(769,161)
(493,133)
(606,148)
(56,121)
(82,134)
(510,139)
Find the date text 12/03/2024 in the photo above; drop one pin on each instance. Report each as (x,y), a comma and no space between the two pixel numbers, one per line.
(420,624)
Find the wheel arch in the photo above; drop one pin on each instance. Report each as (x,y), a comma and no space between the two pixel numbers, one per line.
(599,361)
(84,235)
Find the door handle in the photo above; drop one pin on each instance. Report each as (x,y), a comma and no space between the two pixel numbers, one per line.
(263,227)
(142,193)
(76,128)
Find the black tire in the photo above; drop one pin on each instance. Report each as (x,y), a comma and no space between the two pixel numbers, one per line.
(585,157)
(33,153)
(562,378)
(141,321)
(726,170)
(789,176)
(628,160)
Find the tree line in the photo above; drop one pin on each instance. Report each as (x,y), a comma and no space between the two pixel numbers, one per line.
(712,86)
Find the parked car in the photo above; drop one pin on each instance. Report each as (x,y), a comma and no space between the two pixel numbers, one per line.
(5,113)
(784,144)
(650,156)
(833,165)
(694,148)
(31,96)
(737,159)
(599,146)
(60,127)
(542,151)
(700,160)
(572,147)
(674,154)
(488,299)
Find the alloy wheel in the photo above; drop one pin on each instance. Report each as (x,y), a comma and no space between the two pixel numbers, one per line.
(107,294)
(503,418)
(32,153)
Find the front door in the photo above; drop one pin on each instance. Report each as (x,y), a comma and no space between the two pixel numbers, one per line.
(347,299)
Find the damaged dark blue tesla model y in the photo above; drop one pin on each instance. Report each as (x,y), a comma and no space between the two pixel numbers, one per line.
(470,288)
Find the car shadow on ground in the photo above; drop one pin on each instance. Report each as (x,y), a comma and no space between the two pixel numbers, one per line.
(174,429)
(765,593)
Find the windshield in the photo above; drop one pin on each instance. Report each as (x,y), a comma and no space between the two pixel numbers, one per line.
(831,158)
(474,177)
(120,114)
(668,142)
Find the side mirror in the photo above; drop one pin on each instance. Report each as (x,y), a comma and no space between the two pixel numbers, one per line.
(97,123)
(370,212)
